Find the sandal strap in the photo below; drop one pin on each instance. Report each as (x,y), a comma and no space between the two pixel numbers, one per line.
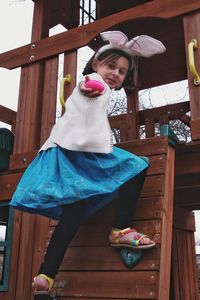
(117,234)
(136,239)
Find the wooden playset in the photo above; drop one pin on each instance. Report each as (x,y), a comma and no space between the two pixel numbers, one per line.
(91,268)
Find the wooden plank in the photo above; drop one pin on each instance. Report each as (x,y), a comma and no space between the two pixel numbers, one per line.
(183,256)
(41,227)
(8,184)
(27,135)
(133,130)
(24,279)
(7,115)
(188,197)
(81,36)
(149,127)
(190,165)
(106,258)
(27,138)
(149,146)
(70,67)
(146,209)
(192,266)
(195,125)
(49,98)
(184,266)
(183,219)
(88,237)
(21,160)
(175,267)
(166,238)
(190,147)
(157,162)
(141,285)
(153,186)
(185,181)
(193,32)
(174,111)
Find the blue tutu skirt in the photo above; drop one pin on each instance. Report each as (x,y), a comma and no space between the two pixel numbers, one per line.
(57,177)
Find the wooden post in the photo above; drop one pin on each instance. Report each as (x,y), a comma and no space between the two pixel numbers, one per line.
(192,30)
(27,138)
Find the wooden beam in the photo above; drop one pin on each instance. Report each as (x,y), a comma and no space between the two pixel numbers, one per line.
(81,36)
(190,166)
(7,115)
(191,24)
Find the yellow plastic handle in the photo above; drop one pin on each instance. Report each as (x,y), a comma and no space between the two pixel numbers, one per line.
(193,45)
(66,79)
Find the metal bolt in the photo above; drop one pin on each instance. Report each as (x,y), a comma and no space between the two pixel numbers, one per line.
(32,57)
(130,111)
(33,46)
(24,159)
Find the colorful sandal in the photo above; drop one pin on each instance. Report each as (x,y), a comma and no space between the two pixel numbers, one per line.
(36,283)
(129,238)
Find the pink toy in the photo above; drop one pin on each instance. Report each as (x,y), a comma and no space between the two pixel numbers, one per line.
(94,85)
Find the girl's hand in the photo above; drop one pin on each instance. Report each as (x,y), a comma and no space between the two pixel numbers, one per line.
(89,91)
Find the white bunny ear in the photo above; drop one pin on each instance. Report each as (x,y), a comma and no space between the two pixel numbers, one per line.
(142,45)
(146,46)
(114,37)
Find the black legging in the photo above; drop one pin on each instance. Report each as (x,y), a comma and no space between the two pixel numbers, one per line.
(71,219)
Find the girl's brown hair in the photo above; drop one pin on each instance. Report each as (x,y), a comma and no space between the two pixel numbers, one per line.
(108,56)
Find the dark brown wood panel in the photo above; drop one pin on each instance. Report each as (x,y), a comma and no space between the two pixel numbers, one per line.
(88,237)
(146,208)
(49,97)
(149,146)
(8,184)
(113,285)
(21,160)
(106,258)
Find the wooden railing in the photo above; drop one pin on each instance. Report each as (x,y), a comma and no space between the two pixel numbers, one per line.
(149,117)
(8,116)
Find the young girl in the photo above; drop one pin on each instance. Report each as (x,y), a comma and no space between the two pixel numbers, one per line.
(78,171)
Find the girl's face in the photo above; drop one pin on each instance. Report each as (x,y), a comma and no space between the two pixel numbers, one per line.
(113,71)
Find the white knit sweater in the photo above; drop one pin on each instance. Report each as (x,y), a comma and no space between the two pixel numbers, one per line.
(84,126)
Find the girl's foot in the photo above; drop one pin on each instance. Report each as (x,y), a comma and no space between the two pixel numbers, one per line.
(43,284)
(130,238)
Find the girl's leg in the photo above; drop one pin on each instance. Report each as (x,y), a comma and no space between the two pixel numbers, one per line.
(122,234)
(127,199)
(61,238)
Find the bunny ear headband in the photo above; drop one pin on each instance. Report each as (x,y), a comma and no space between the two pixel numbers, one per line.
(142,45)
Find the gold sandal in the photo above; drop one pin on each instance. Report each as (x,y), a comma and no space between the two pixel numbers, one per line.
(50,291)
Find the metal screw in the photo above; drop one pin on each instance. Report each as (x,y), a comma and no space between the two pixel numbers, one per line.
(32,57)
(24,159)
(33,46)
